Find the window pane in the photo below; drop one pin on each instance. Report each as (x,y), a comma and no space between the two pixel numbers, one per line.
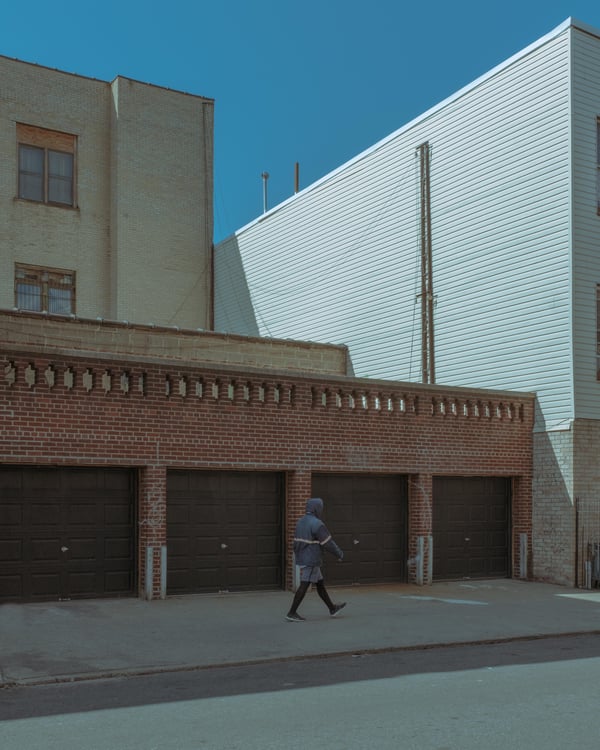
(59,301)
(29,297)
(60,177)
(31,173)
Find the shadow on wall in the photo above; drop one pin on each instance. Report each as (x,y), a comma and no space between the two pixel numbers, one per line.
(553,507)
(234,311)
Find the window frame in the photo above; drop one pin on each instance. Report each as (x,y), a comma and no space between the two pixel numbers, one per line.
(48,142)
(44,279)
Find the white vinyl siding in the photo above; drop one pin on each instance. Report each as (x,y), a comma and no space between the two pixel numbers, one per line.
(586,222)
(233,308)
(339,262)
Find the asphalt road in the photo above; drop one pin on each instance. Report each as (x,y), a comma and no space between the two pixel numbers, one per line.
(525,694)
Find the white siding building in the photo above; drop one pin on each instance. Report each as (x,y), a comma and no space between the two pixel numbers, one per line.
(516,262)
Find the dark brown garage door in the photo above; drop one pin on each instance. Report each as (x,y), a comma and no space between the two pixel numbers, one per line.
(224,531)
(471,527)
(367,516)
(65,533)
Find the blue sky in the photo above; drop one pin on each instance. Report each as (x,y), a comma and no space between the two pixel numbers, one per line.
(314,81)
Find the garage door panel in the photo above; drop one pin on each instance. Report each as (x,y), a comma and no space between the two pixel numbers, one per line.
(393,542)
(117,515)
(369,512)
(83,514)
(268,514)
(44,584)
(497,539)
(41,479)
(82,548)
(178,513)
(45,549)
(369,542)
(118,549)
(204,513)
(73,508)
(203,546)
(370,509)
(268,575)
(369,572)
(500,514)
(393,570)
(239,514)
(239,545)
(179,547)
(81,582)
(390,512)
(268,545)
(118,583)
(11,586)
(11,482)
(11,514)
(471,527)
(235,530)
(48,514)
(10,550)
(393,555)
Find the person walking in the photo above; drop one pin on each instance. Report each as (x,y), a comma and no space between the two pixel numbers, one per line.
(312,536)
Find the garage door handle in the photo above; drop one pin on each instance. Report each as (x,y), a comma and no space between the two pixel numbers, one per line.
(64,549)
(355,541)
(223,546)
(467,539)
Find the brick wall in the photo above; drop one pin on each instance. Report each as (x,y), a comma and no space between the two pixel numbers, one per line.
(118,340)
(153,416)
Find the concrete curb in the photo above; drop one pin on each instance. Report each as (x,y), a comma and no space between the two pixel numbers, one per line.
(149,671)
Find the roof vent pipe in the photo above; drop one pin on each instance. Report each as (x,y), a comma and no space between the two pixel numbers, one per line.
(265,177)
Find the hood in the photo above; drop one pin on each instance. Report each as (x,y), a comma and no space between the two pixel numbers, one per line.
(315,506)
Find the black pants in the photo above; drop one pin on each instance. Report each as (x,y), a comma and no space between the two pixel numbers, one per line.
(301,592)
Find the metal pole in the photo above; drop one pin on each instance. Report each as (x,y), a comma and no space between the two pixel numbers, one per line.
(149,572)
(427,298)
(420,560)
(265,177)
(430,561)
(163,571)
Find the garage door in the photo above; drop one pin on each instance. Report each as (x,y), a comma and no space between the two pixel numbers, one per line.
(224,531)
(471,527)
(367,516)
(66,533)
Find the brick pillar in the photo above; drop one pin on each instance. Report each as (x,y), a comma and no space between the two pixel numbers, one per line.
(298,492)
(152,522)
(420,503)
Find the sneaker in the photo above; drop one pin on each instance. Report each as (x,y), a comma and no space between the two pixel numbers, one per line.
(337,608)
(294,617)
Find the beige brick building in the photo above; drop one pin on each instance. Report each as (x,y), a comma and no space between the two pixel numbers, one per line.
(105,198)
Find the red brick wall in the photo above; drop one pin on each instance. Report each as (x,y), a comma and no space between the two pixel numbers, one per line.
(151,416)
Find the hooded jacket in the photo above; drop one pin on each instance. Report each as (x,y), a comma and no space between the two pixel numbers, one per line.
(312,536)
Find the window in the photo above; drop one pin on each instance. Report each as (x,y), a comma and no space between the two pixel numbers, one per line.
(45,290)
(46,165)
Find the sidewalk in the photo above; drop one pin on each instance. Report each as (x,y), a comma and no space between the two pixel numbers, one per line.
(58,641)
